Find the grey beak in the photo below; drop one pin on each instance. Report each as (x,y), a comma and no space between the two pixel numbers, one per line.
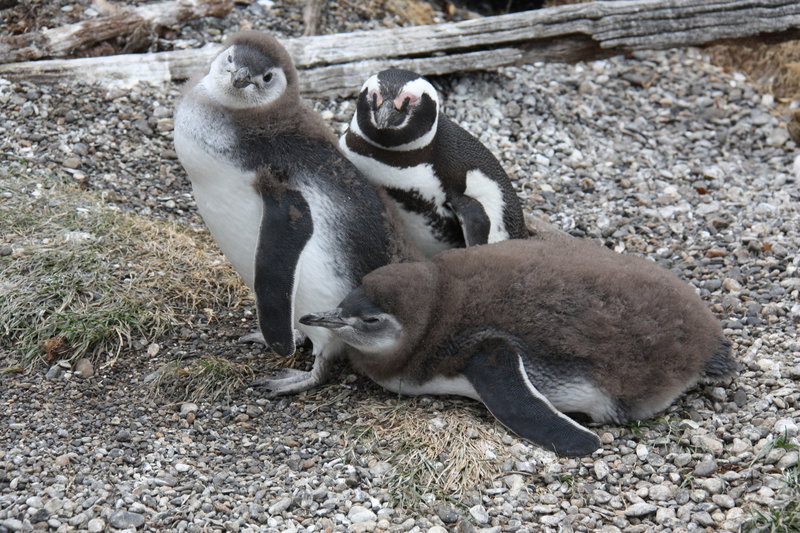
(387,115)
(241,78)
(329,319)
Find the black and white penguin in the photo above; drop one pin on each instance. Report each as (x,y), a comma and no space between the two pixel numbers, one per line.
(450,189)
(298,221)
(534,329)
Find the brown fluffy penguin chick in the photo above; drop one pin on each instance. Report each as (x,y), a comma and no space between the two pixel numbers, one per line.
(534,329)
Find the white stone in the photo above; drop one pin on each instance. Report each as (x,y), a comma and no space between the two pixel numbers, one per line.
(600,469)
(280,506)
(479,514)
(665,515)
(359,514)
(640,509)
(35,502)
(641,452)
(96,525)
(785,426)
(187,408)
(659,493)
(712,444)
(740,446)
(713,485)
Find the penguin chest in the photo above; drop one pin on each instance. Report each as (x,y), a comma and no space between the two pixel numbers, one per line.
(420,199)
(322,276)
(226,199)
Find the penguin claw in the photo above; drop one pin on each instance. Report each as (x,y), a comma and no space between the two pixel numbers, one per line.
(286,381)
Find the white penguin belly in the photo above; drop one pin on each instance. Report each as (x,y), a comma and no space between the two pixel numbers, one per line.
(457,386)
(318,285)
(488,193)
(227,201)
(419,179)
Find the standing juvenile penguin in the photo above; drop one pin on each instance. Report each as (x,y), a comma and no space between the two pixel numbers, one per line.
(534,329)
(450,189)
(298,221)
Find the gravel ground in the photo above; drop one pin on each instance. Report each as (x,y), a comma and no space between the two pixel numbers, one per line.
(660,154)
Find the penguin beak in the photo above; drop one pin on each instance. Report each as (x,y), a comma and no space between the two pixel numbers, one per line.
(241,78)
(387,115)
(329,319)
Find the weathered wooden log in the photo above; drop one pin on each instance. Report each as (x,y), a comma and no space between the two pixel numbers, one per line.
(337,64)
(65,40)
(312,14)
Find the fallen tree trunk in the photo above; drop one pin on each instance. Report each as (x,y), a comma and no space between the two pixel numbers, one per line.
(338,64)
(65,40)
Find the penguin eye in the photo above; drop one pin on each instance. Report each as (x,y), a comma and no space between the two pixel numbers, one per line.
(268,77)
(371,319)
(230,59)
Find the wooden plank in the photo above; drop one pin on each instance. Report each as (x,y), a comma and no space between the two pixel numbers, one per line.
(338,64)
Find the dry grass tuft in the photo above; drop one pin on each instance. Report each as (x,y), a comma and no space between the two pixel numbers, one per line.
(205,378)
(774,68)
(444,453)
(83,278)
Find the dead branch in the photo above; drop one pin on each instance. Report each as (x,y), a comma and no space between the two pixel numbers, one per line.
(65,40)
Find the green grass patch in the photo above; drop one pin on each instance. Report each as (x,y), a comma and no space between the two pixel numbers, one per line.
(81,278)
(785,519)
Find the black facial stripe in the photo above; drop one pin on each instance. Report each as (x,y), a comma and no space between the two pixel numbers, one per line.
(423,116)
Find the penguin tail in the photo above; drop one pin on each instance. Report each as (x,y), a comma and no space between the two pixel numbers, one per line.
(721,365)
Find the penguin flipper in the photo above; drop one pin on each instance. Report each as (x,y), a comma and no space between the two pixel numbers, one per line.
(474,221)
(498,375)
(286,227)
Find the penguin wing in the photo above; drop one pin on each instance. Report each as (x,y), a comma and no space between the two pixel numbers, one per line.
(474,221)
(497,373)
(286,227)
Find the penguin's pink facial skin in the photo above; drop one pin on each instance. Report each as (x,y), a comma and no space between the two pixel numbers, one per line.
(375,98)
(406,101)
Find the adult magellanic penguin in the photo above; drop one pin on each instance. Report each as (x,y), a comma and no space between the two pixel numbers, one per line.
(298,221)
(450,189)
(534,329)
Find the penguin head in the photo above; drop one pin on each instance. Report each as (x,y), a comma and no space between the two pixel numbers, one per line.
(397,110)
(361,323)
(252,71)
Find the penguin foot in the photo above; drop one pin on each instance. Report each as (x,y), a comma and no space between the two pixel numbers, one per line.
(287,381)
(291,381)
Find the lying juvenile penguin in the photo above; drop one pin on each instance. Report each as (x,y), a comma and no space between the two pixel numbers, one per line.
(449,188)
(534,329)
(298,221)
